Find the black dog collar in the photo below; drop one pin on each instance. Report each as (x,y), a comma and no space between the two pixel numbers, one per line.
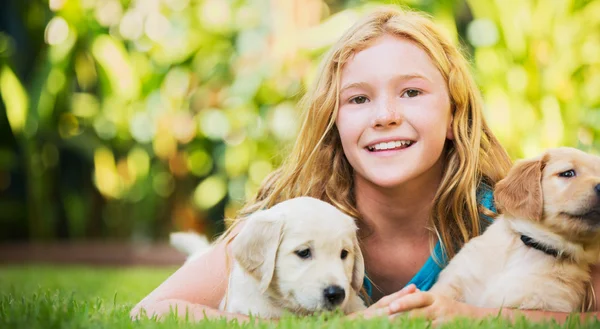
(530,242)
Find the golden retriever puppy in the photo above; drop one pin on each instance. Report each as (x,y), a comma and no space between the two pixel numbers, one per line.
(301,256)
(537,254)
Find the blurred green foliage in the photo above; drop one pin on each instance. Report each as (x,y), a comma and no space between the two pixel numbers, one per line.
(131,118)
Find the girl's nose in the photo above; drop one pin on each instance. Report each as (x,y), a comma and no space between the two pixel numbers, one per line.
(387,114)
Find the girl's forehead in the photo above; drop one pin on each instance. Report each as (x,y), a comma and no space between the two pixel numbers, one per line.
(390,54)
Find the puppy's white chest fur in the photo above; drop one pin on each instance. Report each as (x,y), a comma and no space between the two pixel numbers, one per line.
(497,270)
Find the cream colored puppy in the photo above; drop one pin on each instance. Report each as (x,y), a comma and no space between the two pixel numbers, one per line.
(537,255)
(301,256)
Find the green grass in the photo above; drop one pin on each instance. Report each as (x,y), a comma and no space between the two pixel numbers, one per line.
(84,297)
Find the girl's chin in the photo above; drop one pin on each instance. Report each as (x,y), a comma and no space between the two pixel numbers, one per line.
(388,182)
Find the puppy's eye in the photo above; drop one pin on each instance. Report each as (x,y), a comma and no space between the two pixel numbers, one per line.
(344,254)
(567,174)
(304,253)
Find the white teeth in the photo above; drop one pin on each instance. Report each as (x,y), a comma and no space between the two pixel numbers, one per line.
(389,145)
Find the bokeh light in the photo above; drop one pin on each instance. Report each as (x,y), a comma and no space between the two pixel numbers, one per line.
(57,31)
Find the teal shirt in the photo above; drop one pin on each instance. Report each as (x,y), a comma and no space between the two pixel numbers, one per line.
(426,277)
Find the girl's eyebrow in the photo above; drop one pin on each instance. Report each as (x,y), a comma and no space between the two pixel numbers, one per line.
(363,85)
(402,77)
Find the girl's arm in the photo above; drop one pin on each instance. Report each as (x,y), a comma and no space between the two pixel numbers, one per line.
(196,288)
(441,308)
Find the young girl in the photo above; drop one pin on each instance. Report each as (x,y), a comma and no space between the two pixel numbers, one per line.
(393,134)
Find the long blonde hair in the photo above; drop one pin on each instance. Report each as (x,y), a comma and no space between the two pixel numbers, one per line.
(317,167)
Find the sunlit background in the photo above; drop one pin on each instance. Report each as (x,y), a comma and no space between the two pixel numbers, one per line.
(129,119)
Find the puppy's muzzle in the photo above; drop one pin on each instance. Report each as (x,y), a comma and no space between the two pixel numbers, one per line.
(334,295)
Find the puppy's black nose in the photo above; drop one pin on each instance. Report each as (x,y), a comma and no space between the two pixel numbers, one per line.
(597,188)
(334,295)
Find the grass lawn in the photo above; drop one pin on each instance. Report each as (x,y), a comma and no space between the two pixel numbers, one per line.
(87,297)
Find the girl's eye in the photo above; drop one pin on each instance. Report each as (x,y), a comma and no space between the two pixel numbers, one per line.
(304,253)
(567,174)
(344,254)
(358,100)
(410,93)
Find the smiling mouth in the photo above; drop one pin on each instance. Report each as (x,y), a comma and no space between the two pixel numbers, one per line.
(389,146)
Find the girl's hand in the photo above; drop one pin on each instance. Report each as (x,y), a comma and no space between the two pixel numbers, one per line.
(434,307)
(381,308)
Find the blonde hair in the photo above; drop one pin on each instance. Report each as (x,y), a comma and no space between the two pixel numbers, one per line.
(317,167)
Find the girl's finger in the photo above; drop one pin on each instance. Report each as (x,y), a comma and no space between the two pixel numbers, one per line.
(425,312)
(385,301)
(381,307)
(370,313)
(409,302)
(377,312)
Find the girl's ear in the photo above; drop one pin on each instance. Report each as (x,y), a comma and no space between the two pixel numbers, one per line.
(449,131)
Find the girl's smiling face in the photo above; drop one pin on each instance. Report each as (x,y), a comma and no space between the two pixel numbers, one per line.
(394,115)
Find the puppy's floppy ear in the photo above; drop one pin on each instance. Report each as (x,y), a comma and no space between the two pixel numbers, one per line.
(255,247)
(520,192)
(358,272)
